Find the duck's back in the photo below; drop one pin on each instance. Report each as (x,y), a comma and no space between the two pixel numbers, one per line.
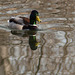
(18,22)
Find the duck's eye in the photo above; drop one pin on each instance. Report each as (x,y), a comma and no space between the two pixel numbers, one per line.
(37,14)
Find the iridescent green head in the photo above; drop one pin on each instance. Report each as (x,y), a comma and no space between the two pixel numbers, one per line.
(34,16)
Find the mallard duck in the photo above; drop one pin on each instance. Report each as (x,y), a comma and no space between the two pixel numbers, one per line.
(25,23)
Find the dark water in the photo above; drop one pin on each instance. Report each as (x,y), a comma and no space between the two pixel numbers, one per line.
(55,54)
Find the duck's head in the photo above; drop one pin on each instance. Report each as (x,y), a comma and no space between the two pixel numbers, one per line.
(34,16)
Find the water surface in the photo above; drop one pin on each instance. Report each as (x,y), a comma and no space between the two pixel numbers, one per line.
(55,54)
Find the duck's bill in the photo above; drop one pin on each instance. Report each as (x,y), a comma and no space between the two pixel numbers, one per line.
(37,44)
(38,19)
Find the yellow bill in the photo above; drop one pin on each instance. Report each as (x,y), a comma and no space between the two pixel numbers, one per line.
(38,19)
(37,44)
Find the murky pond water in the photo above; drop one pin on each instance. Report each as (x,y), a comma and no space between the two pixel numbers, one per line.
(55,54)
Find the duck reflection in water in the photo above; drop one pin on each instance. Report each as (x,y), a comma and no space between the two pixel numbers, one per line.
(33,42)
(32,37)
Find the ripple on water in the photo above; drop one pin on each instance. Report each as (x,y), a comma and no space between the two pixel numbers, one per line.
(60,35)
(10,12)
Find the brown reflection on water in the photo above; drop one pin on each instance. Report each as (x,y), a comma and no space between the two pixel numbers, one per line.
(56,52)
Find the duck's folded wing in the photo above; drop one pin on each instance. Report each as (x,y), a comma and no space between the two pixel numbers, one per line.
(20,20)
(16,20)
(15,23)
